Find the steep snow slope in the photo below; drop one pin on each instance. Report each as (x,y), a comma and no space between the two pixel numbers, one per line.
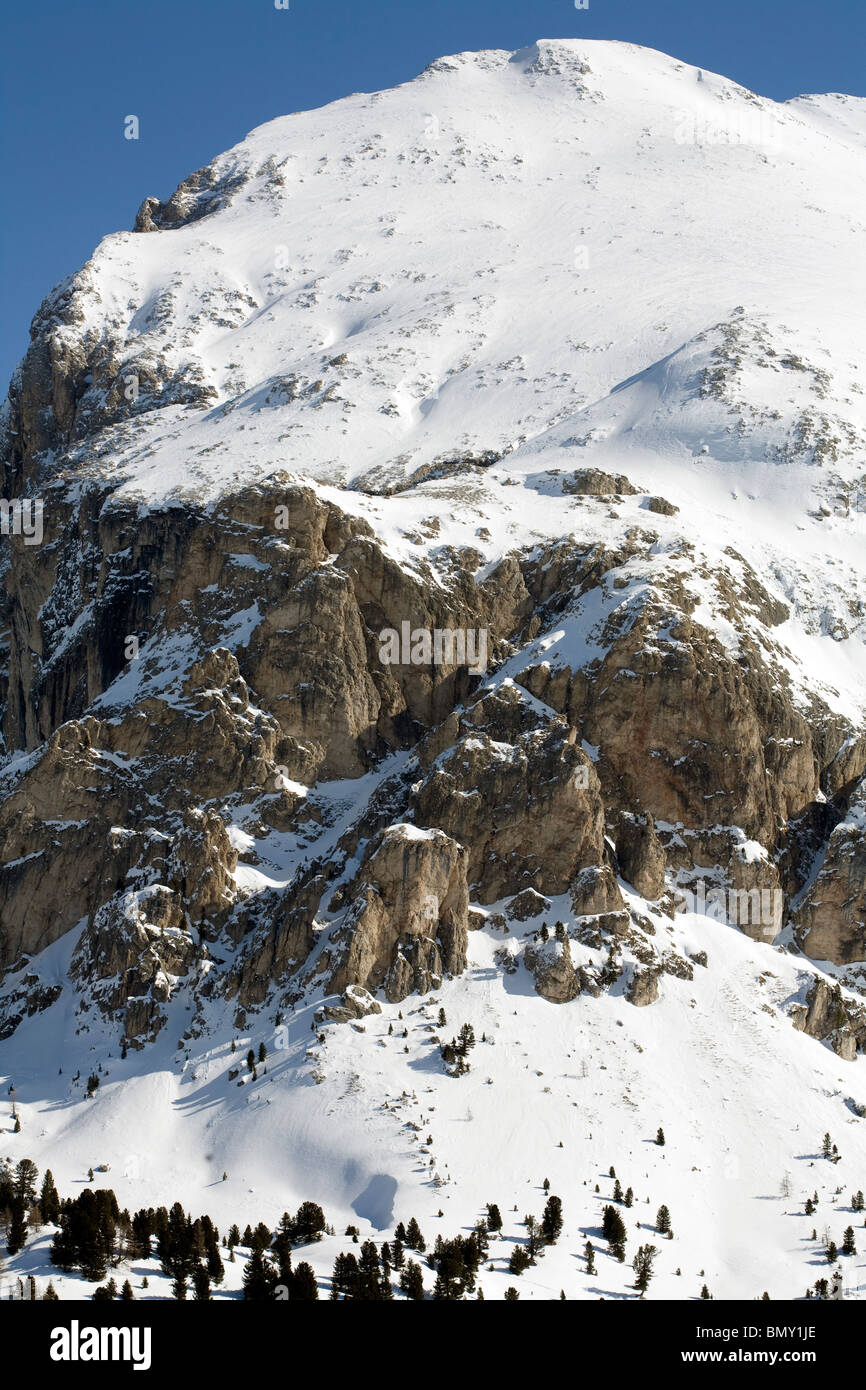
(744,1100)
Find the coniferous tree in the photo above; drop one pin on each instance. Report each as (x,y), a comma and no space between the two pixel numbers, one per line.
(660,1136)
(201,1284)
(215,1268)
(848,1244)
(126,1294)
(519,1261)
(643,1266)
(303,1286)
(414,1239)
(832,1253)
(261,1237)
(613,1228)
(397,1256)
(50,1295)
(511,1294)
(259,1278)
(369,1273)
(617,1191)
(494,1218)
(309,1223)
(705,1293)
(412,1281)
(589,1254)
(628,1199)
(16,1236)
(26,1174)
(551,1221)
(7,1186)
(663,1220)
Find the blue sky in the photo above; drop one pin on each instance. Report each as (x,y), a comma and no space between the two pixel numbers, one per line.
(199,74)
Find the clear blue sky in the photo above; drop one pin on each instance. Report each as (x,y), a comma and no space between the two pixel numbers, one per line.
(201,73)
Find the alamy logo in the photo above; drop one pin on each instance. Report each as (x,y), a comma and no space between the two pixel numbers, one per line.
(76,1343)
(424,646)
(742,907)
(732,128)
(22,516)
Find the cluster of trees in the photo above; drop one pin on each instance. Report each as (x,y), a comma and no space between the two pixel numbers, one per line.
(538,1234)
(87,1239)
(19,1205)
(829,1150)
(455,1053)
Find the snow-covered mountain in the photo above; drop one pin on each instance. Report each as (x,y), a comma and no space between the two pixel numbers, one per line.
(559,351)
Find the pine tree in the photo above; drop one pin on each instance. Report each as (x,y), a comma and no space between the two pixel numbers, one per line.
(629,1197)
(26,1174)
(642,1265)
(827,1147)
(511,1294)
(50,1295)
(309,1223)
(369,1273)
(412,1282)
(16,1236)
(589,1253)
(303,1286)
(49,1201)
(705,1293)
(259,1278)
(201,1284)
(126,1294)
(414,1238)
(494,1218)
(551,1221)
(519,1261)
(613,1228)
(617,1191)
(660,1136)
(810,1206)
(848,1245)
(663,1220)
(832,1253)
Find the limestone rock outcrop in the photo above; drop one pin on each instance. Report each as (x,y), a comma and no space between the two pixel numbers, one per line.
(408,922)
(831,918)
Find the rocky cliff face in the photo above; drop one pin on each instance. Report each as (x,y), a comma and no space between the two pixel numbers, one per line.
(213,775)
